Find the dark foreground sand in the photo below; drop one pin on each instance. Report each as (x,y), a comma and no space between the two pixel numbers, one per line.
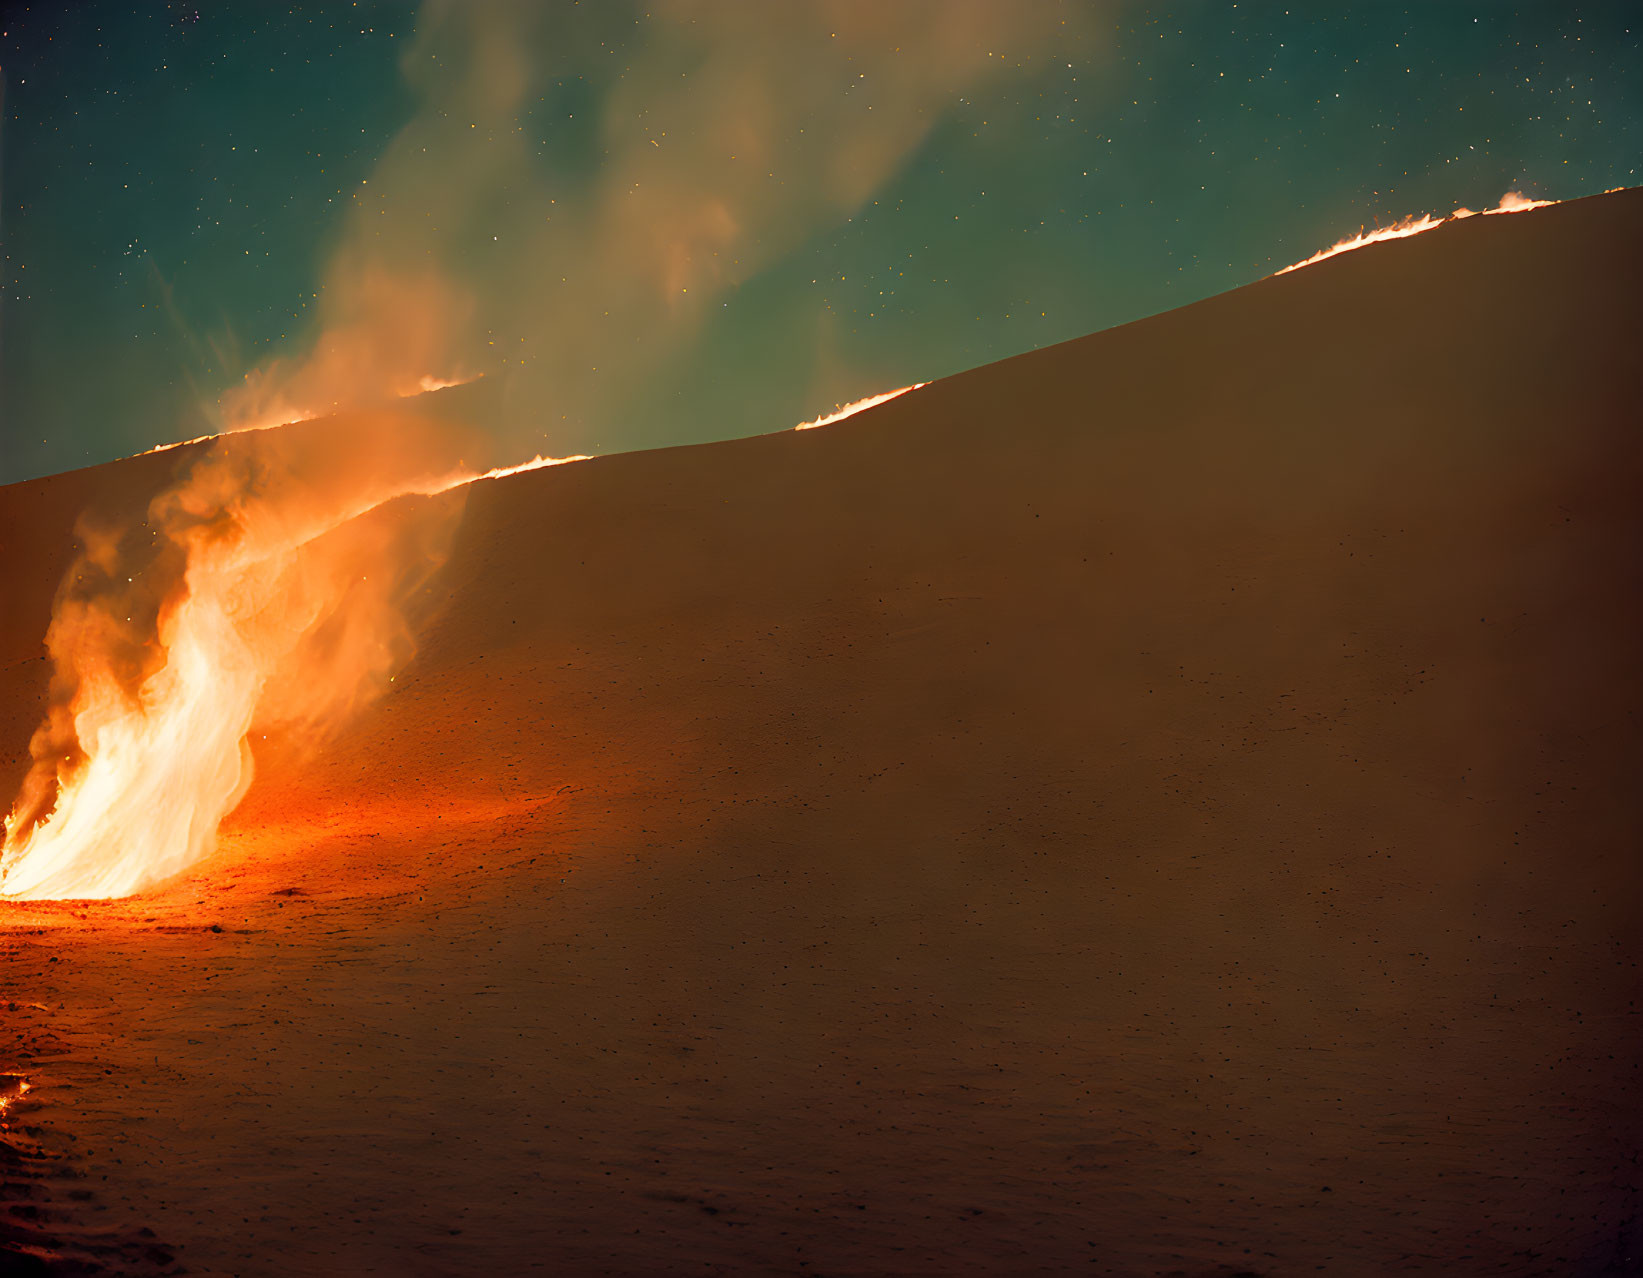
(1163,804)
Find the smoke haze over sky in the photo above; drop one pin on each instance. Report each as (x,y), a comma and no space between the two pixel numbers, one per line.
(686,222)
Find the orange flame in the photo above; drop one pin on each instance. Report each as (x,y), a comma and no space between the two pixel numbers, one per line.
(180,443)
(856,406)
(15,1088)
(497,472)
(426,384)
(281,573)
(1511,202)
(285,415)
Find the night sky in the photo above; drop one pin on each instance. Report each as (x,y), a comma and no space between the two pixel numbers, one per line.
(191,191)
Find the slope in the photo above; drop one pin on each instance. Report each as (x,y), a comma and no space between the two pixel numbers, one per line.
(1163,803)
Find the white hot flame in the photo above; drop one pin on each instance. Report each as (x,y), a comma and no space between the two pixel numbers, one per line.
(857,406)
(161,767)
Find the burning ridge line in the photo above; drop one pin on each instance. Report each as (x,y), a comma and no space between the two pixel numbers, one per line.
(857,406)
(1511,202)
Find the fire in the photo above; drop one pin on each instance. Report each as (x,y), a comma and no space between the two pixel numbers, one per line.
(288,553)
(497,472)
(285,614)
(181,443)
(288,416)
(1511,202)
(851,409)
(426,384)
(13,1087)
(1515,202)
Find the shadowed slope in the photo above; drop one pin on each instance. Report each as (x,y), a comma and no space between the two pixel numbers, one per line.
(1163,803)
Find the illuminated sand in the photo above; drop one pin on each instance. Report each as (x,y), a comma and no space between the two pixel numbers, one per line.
(1161,804)
(263,597)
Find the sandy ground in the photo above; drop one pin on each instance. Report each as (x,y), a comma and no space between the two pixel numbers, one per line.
(1164,804)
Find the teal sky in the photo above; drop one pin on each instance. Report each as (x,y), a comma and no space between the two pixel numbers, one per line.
(175,179)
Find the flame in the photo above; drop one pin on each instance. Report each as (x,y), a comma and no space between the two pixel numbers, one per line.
(181,443)
(18,1088)
(1511,202)
(285,614)
(1516,202)
(856,406)
(285,415)
(497,472)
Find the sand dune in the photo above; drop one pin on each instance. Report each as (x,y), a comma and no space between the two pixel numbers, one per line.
(1166,803)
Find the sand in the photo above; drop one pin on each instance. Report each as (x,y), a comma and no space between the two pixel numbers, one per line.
(1163,804)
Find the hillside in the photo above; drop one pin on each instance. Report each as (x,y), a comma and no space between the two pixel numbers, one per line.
(1165,803)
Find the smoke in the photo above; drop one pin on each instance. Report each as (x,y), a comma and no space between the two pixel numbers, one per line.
(565,259)
(575,192)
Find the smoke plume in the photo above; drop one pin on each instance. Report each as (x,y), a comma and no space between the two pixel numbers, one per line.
(566,260)
(573,194)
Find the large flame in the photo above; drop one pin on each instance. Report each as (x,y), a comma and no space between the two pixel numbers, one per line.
(284,613)
(281,609)
(262,591)
(1511,202)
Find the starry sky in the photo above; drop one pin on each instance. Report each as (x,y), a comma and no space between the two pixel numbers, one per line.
(660,223)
